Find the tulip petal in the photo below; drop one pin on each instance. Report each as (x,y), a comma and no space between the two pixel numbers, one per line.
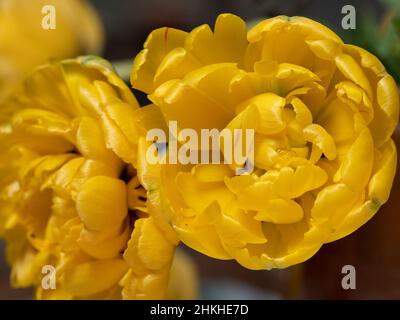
(92,277)
(101,203)
(158,44)
(280,211)
(382,178)
(357,166)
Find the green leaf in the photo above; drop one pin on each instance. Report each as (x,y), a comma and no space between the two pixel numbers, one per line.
(396,25)
(392,4)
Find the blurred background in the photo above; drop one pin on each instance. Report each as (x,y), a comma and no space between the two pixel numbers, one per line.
(374,250)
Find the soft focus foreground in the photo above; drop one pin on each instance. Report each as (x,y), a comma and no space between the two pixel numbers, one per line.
(72,195)
(24,44)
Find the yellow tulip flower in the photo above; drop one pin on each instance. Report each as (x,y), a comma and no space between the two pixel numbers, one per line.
(72,194)
(24,44)
(323,113)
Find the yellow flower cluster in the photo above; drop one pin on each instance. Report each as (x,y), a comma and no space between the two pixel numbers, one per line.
(77,192)
(72,194)
(323,114)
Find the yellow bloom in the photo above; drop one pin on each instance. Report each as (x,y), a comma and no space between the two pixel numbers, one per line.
(323,114)
(71,192)
(25,45)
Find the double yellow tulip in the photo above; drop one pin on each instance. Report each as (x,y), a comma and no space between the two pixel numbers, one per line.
(323,114)
(77,192)
(72,192)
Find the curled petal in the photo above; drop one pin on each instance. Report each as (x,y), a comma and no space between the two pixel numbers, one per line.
(101,203)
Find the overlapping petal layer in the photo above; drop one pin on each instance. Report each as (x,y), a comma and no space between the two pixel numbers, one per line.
(74,192)
(323,113)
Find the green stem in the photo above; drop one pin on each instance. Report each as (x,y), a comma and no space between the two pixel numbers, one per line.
(123,68)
